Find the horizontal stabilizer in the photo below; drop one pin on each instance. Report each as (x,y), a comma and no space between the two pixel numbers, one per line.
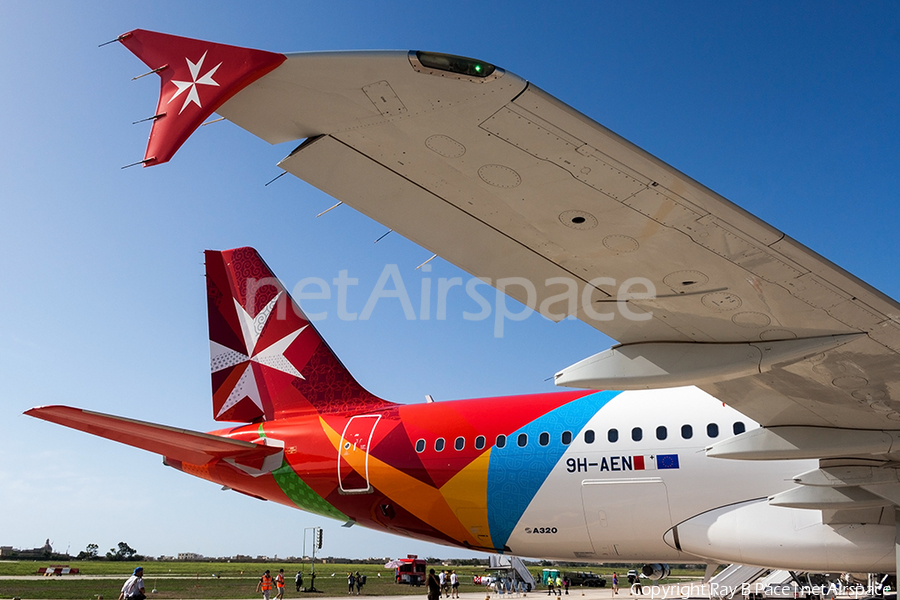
(180,444)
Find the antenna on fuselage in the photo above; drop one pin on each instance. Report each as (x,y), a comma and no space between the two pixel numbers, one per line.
(428,398)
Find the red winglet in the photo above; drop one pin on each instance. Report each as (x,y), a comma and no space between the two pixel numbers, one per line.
(197,78)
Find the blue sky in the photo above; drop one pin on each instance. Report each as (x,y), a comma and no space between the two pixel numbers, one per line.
(788,109)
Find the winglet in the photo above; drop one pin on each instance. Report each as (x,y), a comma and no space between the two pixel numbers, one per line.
(197,77)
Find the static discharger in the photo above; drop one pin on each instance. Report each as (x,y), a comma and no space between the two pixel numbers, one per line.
(156,70)
(327,209)
(382,237)
(140,162)
(276,178)
(433,256)
(153,118)
(118,39)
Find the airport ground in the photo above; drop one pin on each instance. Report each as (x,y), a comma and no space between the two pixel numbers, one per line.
(222,580)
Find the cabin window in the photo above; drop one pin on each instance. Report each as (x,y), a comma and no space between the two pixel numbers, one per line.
(544,439)
(589,436)
(612,435)
(687,432)
(460,443)
(420,445)
(661,432)
(522,440)
(501,441)
(479,442)
(636,434)
(439,444)
(566,438)
(712,430)
(739,427)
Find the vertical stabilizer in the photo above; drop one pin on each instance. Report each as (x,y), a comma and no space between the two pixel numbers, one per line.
(267,361)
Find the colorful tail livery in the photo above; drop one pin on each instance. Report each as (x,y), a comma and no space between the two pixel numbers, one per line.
(538,475)
(267,361)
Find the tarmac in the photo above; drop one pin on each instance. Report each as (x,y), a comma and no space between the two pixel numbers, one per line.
(687,590)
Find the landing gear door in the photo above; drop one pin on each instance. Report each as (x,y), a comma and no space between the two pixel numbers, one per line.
(353,454)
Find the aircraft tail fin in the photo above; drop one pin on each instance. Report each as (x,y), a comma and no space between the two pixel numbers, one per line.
(196,78)
(267,360)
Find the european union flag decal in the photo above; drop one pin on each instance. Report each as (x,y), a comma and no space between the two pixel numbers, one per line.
(666,461)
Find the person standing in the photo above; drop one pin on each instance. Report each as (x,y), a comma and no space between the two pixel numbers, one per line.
(615,584)
(637,588)
(265,585)
(566,584)
(434,586)
(279,585)
(558,585)
(134,586)
(298,580)
(550,582)
(358,581)
(454,584)
(351,582)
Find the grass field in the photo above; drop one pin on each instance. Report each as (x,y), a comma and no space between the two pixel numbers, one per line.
(199,580)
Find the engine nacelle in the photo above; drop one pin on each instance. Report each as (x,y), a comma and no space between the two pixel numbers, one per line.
(655,572)
(757,533)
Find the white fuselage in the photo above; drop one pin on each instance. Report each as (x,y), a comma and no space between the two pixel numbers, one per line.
(597,504)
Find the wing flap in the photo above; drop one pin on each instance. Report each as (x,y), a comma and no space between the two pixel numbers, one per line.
(180,444)
(551,193)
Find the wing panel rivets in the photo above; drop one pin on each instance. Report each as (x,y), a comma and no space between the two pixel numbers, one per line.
(621,244)
(683,281)
(751,320)
(445,146)
(578,219)
(499,176)
(721,301)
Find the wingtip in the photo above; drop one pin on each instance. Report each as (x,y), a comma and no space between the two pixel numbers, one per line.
(197,90)
(40,411)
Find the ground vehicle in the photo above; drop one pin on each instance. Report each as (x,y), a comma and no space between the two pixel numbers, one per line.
(586,579)
(409,570)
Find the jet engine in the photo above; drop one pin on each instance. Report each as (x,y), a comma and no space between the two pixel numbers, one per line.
(655,571)
(757,533)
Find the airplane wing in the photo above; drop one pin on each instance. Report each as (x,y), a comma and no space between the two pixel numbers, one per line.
(184,445)
(509,183)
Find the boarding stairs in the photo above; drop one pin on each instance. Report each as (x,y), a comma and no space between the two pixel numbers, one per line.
(733,581)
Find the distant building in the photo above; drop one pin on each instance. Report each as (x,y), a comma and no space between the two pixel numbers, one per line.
(189,556)
(45,551)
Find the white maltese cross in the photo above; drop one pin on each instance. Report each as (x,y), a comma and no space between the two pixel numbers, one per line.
(191,86)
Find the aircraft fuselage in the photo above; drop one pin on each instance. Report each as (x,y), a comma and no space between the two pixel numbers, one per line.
(553,475)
